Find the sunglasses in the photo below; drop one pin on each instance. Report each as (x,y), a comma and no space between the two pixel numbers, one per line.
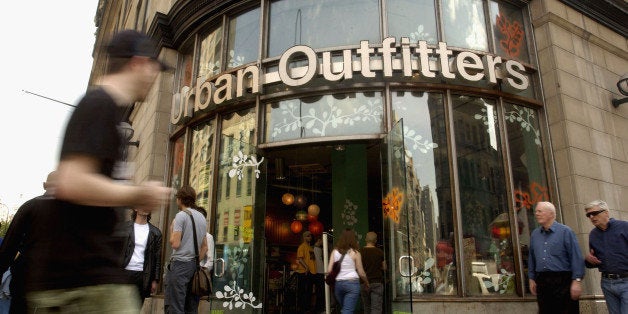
(594,213)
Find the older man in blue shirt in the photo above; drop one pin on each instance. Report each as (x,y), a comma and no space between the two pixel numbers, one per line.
(555,264)
(608,251)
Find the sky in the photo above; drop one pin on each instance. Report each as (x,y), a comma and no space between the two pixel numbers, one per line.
(47,50)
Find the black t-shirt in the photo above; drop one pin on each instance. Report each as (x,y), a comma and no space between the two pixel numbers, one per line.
(372,258)
(80,245)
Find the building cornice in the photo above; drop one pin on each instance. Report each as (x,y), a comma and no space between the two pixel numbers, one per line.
(610,13)
(578,31)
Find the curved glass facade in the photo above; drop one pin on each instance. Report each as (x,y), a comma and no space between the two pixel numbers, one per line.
(325,87)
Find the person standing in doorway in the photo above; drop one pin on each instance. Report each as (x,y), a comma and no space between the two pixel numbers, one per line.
(179,298)
(347,288)
(143,254)
(374,265)
(306,270)
(77,266)
(555,264)
(319,277)
(608,252)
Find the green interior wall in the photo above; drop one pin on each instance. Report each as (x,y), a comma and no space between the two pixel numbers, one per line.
(349,186)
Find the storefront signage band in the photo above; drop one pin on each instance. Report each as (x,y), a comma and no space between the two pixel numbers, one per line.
(410,61)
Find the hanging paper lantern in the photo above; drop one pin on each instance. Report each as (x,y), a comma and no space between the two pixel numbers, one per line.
(287,199)
(296,226)
(301,215)
(313,210)
(316,228)
(311,218)
(300,201)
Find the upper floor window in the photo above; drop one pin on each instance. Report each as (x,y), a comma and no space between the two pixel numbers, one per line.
(321,23)
(243,41)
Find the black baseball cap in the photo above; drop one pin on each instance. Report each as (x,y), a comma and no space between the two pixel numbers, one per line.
(130,43)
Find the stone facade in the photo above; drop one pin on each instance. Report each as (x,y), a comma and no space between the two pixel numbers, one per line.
(580,63)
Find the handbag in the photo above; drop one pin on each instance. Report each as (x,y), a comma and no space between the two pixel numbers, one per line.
(201,284)
(335,269)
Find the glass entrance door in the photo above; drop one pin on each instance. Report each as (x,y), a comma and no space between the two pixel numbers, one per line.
(241,184)
(398,232)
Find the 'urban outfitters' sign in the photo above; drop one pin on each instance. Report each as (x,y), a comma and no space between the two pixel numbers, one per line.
(404,59)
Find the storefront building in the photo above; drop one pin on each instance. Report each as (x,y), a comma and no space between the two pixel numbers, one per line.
(437,124)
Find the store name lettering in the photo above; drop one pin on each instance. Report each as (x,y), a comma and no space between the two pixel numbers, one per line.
(419,61)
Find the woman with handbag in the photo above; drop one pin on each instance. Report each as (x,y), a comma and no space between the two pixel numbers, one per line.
(347,287)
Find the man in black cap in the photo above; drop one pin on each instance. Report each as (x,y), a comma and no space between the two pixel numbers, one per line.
(78,267)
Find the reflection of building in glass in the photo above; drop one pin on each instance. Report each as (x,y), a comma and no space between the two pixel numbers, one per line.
(201,165)
(235,209)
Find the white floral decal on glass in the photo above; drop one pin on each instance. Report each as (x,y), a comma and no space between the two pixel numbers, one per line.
(235,297)
(330,115)
(241,161)
(527,119)
(522,115)
(420,34)
(235,61)
(416,141)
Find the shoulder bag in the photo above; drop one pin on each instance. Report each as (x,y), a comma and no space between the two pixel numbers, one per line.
(335,269)
(201,280)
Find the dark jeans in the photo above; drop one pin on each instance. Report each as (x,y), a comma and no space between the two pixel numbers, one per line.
(373,298)
(304,292)
(319,286)
(179,298)
(553,293)
(137,279)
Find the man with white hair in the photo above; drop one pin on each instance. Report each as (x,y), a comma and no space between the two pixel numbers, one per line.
(608,252)
(555,264)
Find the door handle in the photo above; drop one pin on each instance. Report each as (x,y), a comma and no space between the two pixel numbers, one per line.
(217,262)
(407,269)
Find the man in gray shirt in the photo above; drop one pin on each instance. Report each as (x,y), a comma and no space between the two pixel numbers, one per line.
(179,299)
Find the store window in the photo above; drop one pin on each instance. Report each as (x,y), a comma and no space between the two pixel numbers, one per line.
(327,115)
(509,31)
(234,213)
(243,38)
(413,19)
(487,251)
(428,193)
(321,23)
(209,59)
(528,170)
(464,24)
(202,163)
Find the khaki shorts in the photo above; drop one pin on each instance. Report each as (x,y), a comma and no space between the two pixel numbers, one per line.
(109,298)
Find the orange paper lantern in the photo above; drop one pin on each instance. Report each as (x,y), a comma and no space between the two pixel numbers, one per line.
(311,218)
(287,199)
(296,226)
(313,210)
(316,228)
